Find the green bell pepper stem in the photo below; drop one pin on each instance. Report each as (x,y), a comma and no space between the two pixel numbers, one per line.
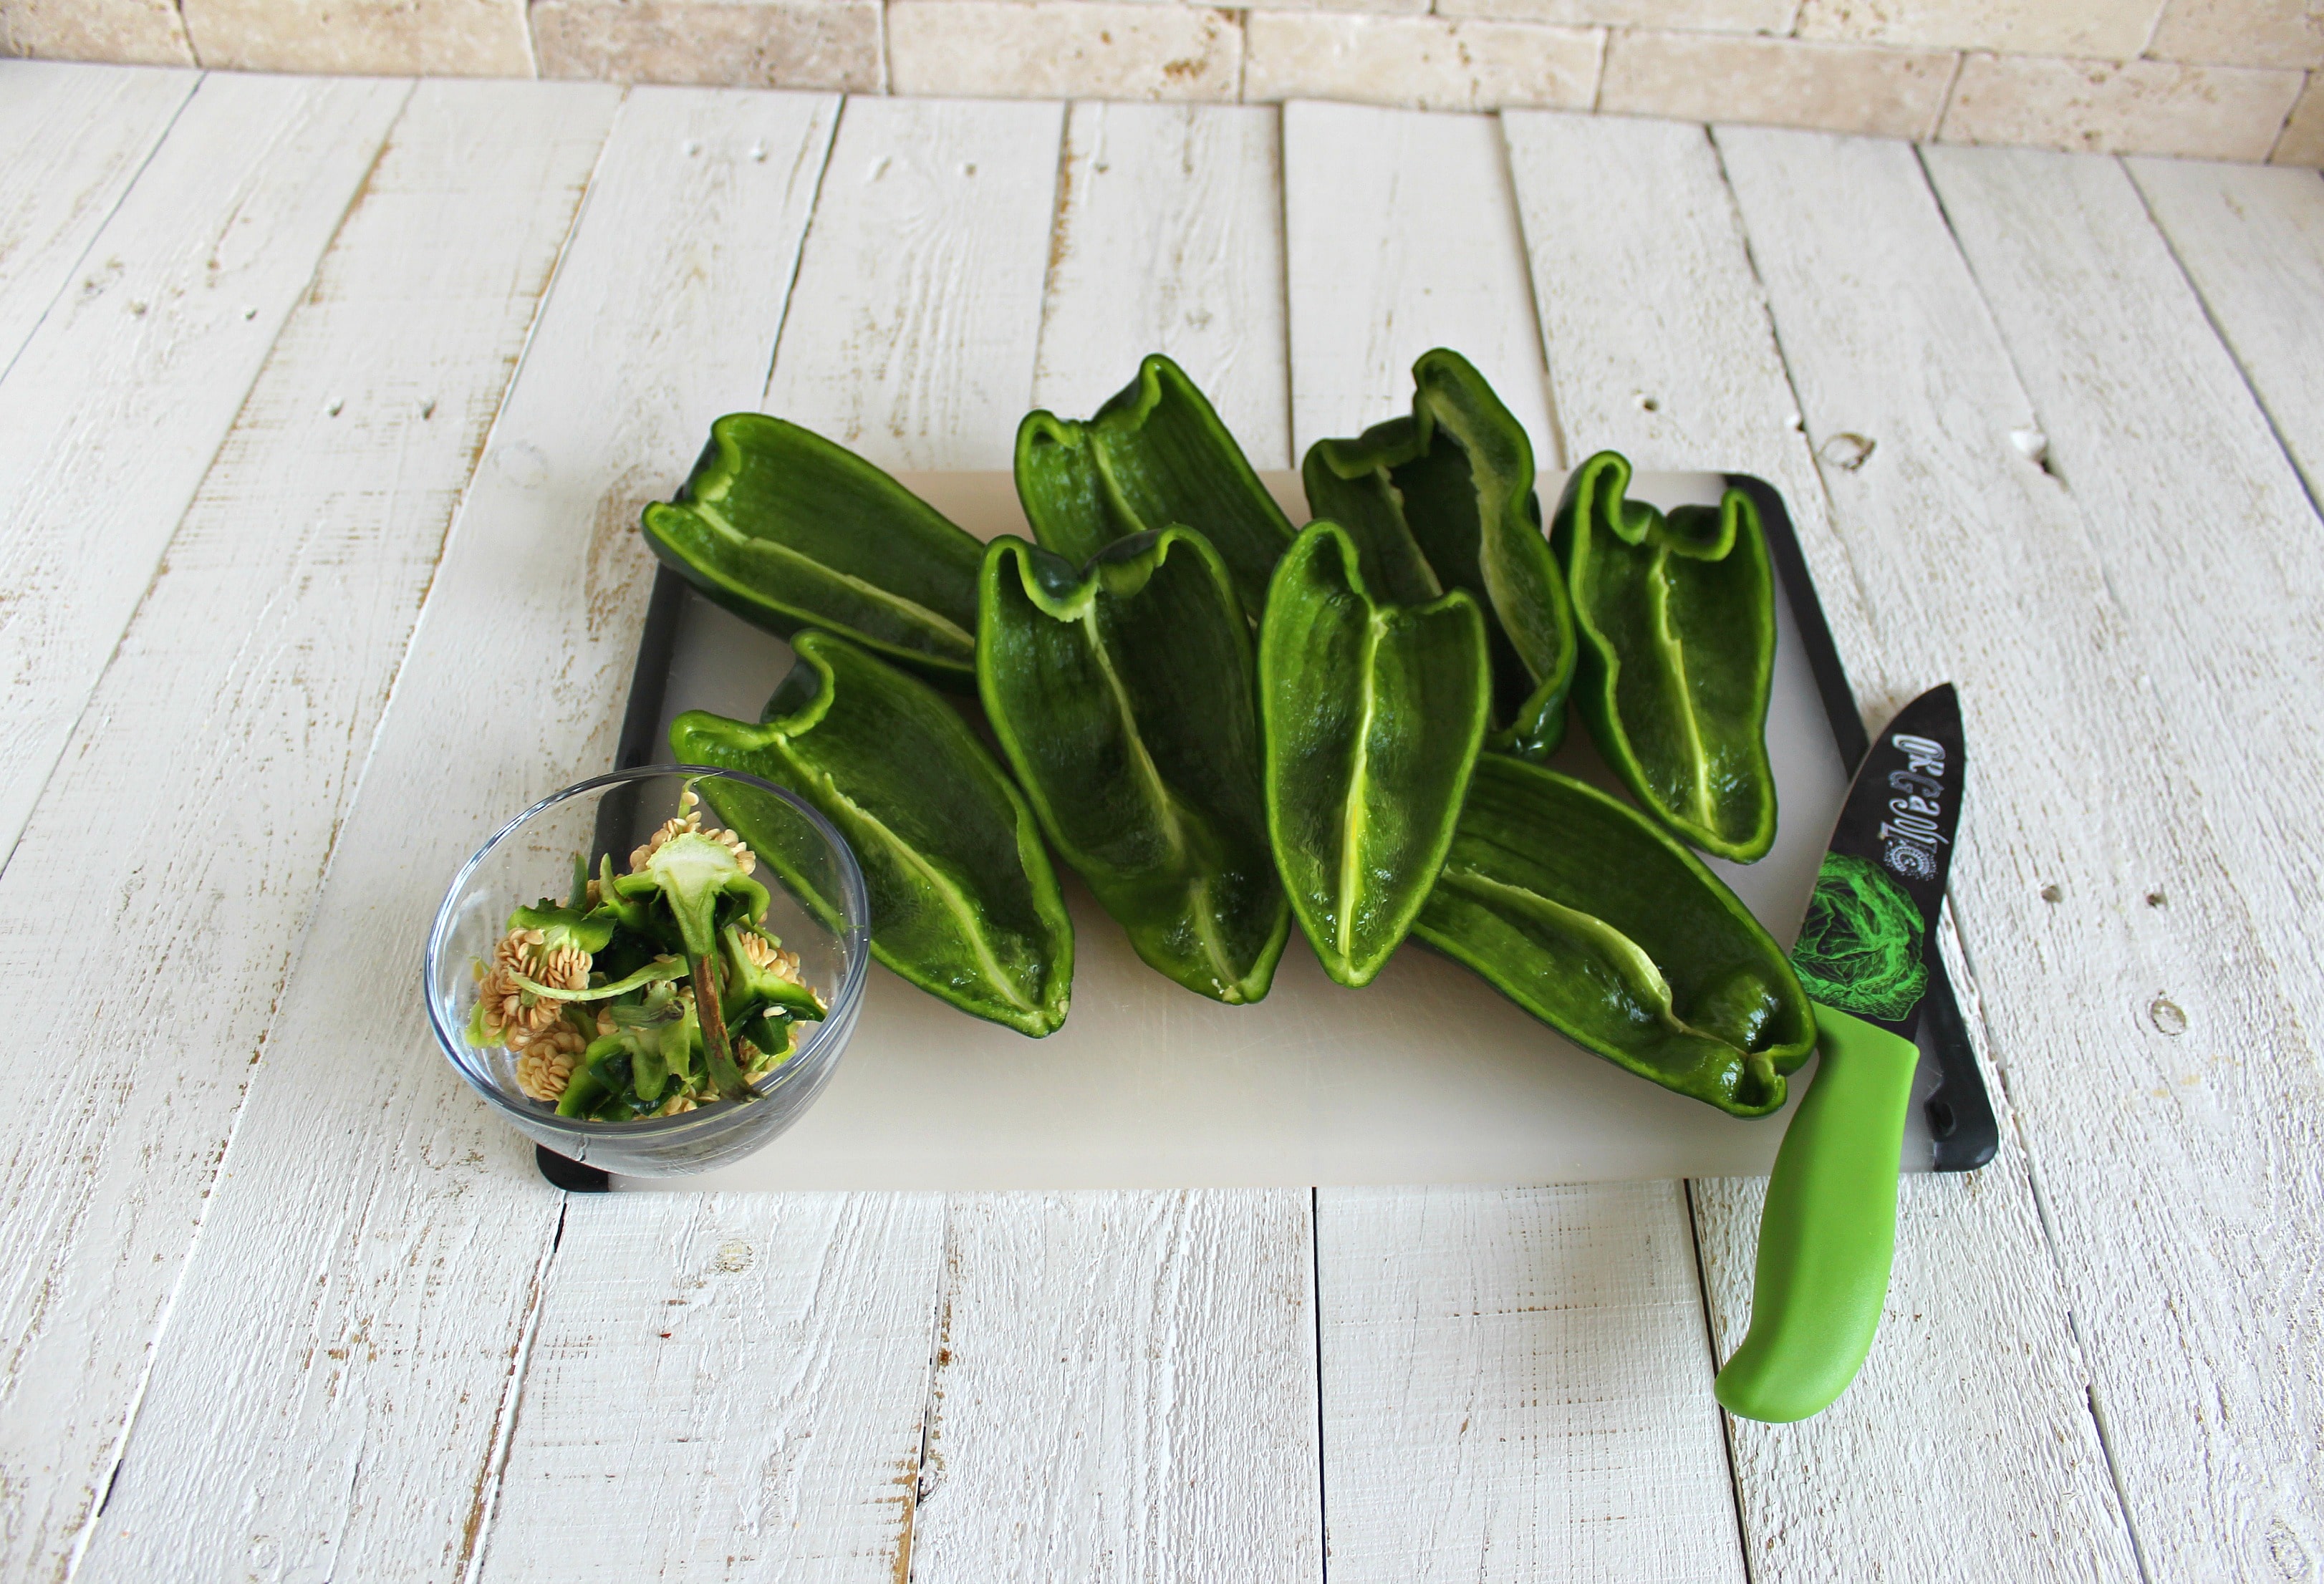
(1374,716)
(1828,1232)
(789,530)
(725,1072)
(1443,499)
(1123,697)
(1676,616)
(658,972)
(1592,919)
(964,903)
(1154,454)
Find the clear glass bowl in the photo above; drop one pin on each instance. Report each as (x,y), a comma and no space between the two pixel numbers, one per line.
(818,908)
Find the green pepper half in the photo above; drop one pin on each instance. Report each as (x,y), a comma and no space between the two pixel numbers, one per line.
(1677,620)
(1154,455)
(1445,499)
(789,530)
(1373,714)
(963,901)
(1122,694)
(1591,917)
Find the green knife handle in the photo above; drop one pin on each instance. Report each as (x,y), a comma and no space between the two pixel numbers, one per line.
(1829,1229)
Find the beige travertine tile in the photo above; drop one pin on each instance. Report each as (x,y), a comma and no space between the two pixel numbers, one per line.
(1779,82)
(1062,49)
(2138,107)
(2241,33)
(1712,16)
(723,43)
(1408,6)
(2302,142)
(2108,29)
(134,32)
(1425,62)
(362,37)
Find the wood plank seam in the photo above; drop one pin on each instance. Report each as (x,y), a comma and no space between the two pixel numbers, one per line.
(1963,968)
(1315,1303)
(417,1301)
(815,208)
(2053,1249)
(130,1419)
(1966,982)
(1711,1347)
(474,1537)
(81,259)
(2211,318)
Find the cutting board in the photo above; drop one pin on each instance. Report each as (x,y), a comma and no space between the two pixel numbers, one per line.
(1427,1075)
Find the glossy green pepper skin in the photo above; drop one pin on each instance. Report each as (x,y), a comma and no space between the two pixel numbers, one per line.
(963,901)
(1373,714)
(789,530)
(1677,621)
(1445,499)
(1153,456)
(1591,917)
(1122,694)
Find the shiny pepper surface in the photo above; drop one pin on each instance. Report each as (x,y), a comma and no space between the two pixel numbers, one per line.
(789,530)
(1373,715)
(1154,455)
(1122,694)
(1677,615)
(1591,917)
(1443,499)
(963,901)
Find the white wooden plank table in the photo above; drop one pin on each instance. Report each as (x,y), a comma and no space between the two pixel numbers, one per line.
(324,436)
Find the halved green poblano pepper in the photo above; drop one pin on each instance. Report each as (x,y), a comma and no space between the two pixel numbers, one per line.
(1154,454)
(963,901)
(1445,499)
(1591,917)
(789,530)
(1373,714)
(1677,615)
(1122,694)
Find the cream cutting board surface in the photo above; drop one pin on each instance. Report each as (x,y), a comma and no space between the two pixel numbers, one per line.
(1427,1075)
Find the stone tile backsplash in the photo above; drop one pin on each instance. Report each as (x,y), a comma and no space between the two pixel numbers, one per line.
(2222,80)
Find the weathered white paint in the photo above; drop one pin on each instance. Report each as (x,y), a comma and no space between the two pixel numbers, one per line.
(1647,291)
(2178,1158)
(606,1308)
(328,1396)
(221,746)
(1517,1388)
(723,1385)
(1124,1390)
(1402,236)
(111,413)
(371,1209)
(1399,236)
(72,138)
(927,253)
(1124,1383)
(1169,238)
(2251,237)
(1657,335)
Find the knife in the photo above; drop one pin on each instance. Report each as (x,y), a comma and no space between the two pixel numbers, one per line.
(1865,955)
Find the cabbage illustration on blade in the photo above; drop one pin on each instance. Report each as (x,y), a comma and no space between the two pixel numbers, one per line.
(1860,948)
